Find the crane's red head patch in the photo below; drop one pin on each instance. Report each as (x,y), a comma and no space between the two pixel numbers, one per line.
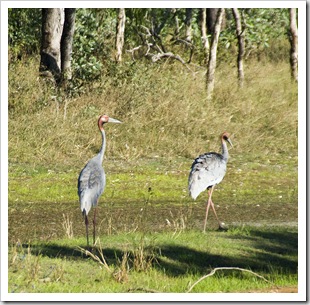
(102,120)
(225,135)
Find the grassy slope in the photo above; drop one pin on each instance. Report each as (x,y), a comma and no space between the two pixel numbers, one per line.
(167,122)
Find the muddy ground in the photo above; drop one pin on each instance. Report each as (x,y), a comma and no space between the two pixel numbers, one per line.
(44,221)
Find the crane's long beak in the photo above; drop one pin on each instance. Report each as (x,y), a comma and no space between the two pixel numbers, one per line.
(229,141)
(111,120)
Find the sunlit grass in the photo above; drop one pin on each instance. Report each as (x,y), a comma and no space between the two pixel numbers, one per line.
(177,262)
(168,117)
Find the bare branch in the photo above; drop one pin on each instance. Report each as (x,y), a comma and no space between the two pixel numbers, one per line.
(227,268)
(159,52)
(101,260)
(143,289)
(132,51)
(156,57)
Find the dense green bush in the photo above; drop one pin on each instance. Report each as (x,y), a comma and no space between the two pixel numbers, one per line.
(24,29)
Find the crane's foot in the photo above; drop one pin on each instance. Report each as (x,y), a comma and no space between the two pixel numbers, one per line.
(222,227)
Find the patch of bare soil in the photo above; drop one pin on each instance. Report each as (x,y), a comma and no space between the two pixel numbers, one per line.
(276,290)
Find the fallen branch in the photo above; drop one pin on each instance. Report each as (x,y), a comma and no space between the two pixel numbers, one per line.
(143,289)
(227,268)
(101,260)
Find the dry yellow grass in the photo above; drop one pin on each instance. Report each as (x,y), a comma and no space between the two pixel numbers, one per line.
(164,111)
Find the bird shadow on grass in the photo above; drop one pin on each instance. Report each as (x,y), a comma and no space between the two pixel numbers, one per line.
(52,250)
(269,251)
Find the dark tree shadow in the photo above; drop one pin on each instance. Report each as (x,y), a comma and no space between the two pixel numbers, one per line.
(176,260)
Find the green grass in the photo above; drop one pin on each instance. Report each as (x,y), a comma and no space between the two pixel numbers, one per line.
(146,217)
(177,262)
(158,181)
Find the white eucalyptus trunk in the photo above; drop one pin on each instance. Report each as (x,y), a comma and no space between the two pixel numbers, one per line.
(213,53)
(204,37)
(294,44)
(119,44)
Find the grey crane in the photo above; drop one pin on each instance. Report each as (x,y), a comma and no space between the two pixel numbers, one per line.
(208,170)
(91,182)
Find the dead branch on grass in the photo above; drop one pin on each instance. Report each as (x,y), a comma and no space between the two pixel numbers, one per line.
(228,268)
(101,260)
(143,289)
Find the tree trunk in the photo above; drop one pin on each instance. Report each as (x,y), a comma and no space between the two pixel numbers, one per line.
(294,45)
(211,19)
(177,26)
(120,34)
(240,36)
(66,43)
(188,25)
(56,44)
(52,27)
(212,55)
(204,37)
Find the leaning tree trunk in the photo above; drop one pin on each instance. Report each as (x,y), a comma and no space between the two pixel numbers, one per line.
(204,37)
(240,36)
(66,43)
(52,27)
(212,55)
(119,43)
(294,45)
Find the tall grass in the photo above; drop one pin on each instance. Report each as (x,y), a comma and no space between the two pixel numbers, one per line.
(167,122)
(164,110)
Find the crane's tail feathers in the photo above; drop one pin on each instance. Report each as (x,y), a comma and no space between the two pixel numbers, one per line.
(193,191)
(193,194)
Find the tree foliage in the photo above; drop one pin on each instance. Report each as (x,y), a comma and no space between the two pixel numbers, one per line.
(95,33)
(24,29)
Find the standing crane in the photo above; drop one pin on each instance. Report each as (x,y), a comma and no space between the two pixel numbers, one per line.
(91,182)
(208,170)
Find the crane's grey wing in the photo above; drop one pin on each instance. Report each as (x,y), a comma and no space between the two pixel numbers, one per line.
(207,170)
(91,185)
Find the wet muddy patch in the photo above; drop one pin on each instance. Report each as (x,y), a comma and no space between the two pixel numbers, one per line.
(47,221)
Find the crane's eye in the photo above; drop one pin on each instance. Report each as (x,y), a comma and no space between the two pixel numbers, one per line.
(104,119)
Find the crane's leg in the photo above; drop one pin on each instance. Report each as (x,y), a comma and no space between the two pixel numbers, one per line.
(86,224)
(94,223)
(221,225)
(213,208)
(207,208)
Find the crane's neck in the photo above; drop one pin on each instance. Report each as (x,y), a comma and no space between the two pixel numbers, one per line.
(224,150)
(103,145)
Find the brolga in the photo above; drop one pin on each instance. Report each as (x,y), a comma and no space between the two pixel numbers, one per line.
(92,181)
(207,171)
